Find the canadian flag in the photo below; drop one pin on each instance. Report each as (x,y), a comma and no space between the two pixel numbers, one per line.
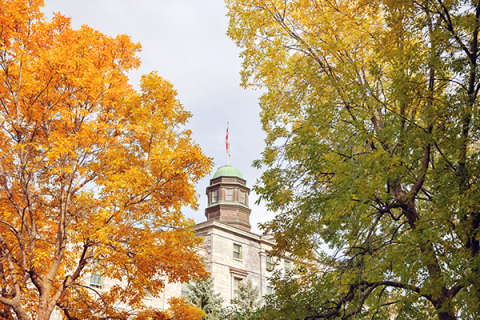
(227,144)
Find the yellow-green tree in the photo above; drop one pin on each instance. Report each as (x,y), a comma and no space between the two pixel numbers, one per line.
(93,174)
(372,119)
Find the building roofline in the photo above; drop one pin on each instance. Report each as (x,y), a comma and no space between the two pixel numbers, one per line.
(231,229)
(211,186)
(229,204)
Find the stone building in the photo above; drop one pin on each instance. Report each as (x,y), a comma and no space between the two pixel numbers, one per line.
(232,251)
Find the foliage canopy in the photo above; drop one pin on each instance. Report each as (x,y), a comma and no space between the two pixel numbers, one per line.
(372,119)
(201,294)
(90,170)
(246,304)
(247,296)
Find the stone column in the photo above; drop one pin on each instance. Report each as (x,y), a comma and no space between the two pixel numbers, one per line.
(263,272)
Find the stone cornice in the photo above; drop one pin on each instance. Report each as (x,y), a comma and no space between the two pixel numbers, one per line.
(238,271)
(228,183)
(209,224)
(229,204)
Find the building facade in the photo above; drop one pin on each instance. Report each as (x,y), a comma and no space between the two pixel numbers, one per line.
(232,251)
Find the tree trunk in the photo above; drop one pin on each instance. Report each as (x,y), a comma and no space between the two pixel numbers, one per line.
(447,316)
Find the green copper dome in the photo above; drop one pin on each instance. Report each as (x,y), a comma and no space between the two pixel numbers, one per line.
(228,171)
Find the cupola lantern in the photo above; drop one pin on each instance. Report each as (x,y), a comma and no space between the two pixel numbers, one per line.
(228,198)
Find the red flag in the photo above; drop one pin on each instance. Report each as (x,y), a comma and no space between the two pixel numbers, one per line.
(227,143)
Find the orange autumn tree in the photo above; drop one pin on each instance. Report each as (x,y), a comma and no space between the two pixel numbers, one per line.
(93,174)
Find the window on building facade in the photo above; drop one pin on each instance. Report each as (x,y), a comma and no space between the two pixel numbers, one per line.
(184,290)
(96,281)
(148,295)
(236,291)
(214,196)
(269,263)
(288,265)
(228,194)
(237,251)
(242,197)
(269,290)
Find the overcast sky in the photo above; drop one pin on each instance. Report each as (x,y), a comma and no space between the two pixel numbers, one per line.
(186,42)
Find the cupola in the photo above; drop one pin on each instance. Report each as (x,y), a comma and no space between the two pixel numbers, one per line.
(227,197)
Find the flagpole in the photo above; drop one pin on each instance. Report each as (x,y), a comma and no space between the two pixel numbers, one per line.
(227,144)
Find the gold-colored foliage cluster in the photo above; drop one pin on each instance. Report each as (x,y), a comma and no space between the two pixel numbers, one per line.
(93,173)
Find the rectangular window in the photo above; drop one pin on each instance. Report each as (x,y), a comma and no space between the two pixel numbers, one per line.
(184,290)
(237,251)
(229,195)
(148,295)
(269,290)
(242,197)
(214,196)
(236,291)
(288,265)
(269,263)
(96,281)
